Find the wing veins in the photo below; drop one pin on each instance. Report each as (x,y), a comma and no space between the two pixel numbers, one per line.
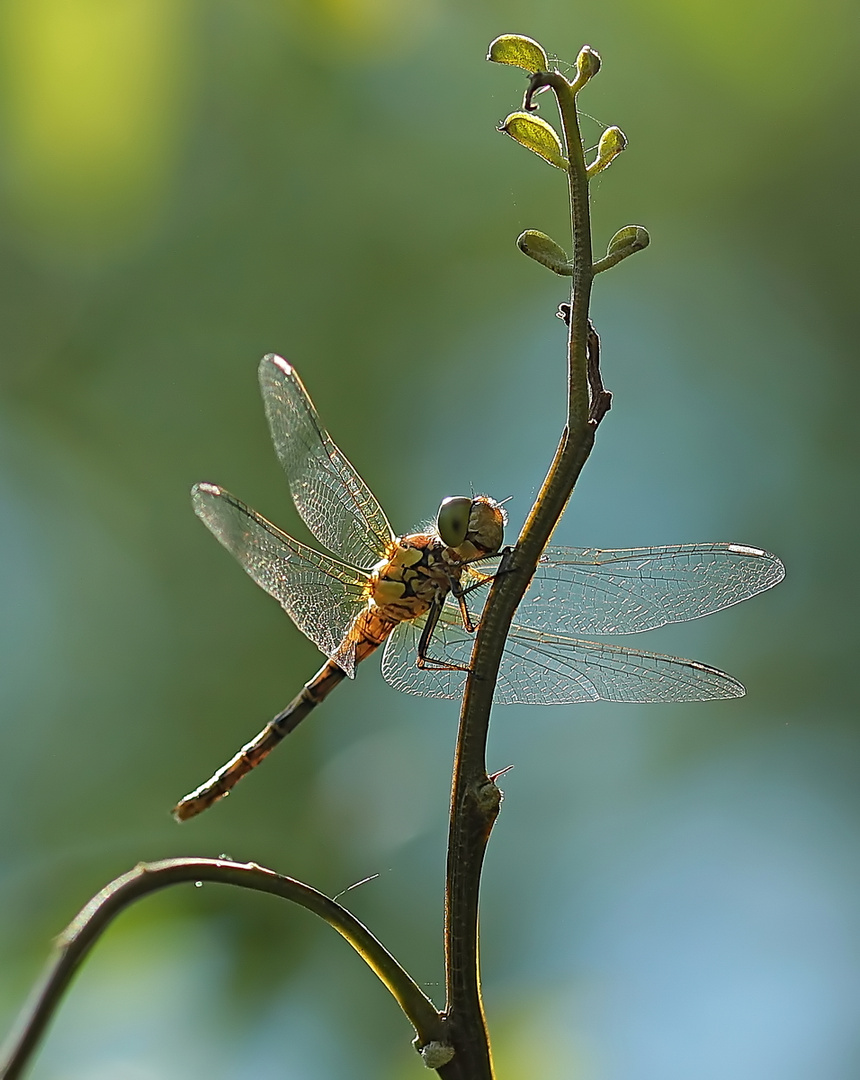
(329,494)
(320,594)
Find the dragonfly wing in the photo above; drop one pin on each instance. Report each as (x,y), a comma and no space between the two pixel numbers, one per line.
(450,643)
(589,591)
(332,499)
(321,595)
(549,669)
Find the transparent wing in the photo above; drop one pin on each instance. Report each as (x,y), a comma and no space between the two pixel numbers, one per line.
(588,591)
(321,595)
(549,669)
(450,642)
(332,499)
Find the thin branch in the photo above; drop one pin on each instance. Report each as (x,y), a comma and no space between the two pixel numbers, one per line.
(78,938)
(475,798)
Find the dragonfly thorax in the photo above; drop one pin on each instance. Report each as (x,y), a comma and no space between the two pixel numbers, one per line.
(416,571)
(421,569)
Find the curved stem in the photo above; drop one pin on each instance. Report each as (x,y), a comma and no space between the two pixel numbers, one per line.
(475,799)
(82,933)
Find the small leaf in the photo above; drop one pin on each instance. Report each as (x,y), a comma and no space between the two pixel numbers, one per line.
(587,65)
(536,135)
(520,51)
(631,238)
(546,251)
(612,142)
(625,242)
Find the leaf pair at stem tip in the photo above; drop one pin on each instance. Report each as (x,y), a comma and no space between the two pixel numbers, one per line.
(525,52)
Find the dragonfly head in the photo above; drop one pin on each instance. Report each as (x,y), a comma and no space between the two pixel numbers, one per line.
(474,528)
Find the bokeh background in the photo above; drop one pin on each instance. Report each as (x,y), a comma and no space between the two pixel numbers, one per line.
(671,892)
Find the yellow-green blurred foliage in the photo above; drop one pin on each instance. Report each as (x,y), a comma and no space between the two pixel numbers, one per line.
(670,892)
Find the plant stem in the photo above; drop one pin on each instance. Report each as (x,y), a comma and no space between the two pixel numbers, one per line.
(475,799)
(82,933)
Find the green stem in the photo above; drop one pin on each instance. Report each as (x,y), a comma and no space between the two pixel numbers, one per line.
(475,799)
(82,933)
(583,271)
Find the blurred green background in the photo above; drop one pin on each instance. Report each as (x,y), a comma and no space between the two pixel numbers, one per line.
(670,891)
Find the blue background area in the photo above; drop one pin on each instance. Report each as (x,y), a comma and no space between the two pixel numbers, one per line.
(670,891)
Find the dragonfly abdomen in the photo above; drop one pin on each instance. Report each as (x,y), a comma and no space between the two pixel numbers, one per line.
(367,633)
(253,752)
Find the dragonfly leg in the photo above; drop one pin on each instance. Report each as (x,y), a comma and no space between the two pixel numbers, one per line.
(424,660)
(504,567)
(459,592)
(430,663)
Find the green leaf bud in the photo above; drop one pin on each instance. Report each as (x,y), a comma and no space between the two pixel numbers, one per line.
(631,237)
(546,251)
(612,142)
(520,51)
(536,135)
(587,66)
(625,242)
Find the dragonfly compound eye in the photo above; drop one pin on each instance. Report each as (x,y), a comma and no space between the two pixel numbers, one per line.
(487,522)
(452,521)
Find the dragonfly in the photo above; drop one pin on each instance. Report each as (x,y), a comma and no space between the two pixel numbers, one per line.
(410,593)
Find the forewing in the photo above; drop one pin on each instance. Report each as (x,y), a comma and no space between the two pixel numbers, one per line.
(321,595)
(332,499)
(549,669)
(589,591)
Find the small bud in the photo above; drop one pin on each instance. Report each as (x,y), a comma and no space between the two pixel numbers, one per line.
(436,1054)
(625,242)
(489,798)
(612,142)
(546,251)
(587,66)
(631,238)
(520,51)
(536,135)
